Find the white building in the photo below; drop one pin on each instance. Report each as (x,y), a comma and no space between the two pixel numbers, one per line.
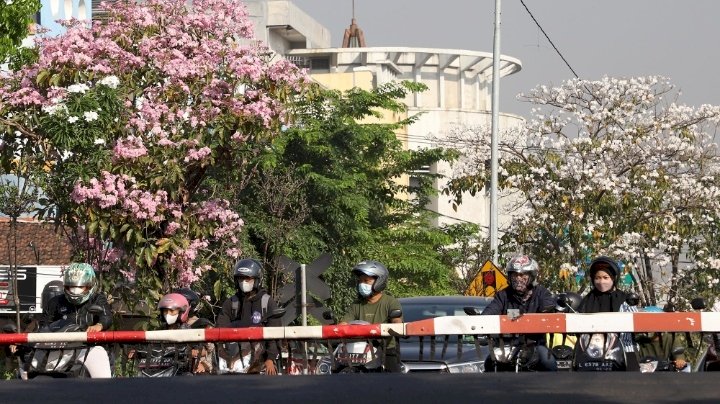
(459,84)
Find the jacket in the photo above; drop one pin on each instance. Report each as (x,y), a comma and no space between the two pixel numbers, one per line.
(59,308)
(540,301)
(249,314)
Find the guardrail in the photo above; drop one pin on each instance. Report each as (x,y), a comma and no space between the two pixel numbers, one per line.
(449,325)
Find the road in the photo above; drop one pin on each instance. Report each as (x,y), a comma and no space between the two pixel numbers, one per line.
(376,388)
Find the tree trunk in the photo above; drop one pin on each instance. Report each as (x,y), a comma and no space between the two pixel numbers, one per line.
(650,282)
(13,270)
(673,280)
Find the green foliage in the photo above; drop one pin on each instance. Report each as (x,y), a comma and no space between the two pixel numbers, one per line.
(15,19)
(336,181)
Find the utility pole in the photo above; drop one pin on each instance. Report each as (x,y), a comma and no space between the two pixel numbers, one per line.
(494,137)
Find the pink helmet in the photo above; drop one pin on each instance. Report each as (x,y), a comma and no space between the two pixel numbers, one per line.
(176,301)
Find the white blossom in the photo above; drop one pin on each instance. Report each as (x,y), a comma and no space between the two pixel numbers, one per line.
(78,88)
(110,81)
(90,116)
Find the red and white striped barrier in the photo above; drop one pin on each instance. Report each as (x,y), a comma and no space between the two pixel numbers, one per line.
(450,325)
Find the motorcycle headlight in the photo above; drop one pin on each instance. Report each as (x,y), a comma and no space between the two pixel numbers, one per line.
(648,367)
(503,353)
(324,367)
(469,367)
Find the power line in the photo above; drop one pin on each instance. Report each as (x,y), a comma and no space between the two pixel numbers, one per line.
(548,38)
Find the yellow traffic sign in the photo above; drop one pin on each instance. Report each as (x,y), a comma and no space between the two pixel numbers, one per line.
(488,281)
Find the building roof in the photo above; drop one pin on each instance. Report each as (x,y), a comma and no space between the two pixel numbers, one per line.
(37,244)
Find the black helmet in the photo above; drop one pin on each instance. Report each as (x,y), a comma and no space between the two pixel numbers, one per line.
(523,264)
(192,297)
(51,289)
(247,267)
(374,269)
(606,264)
(568,302)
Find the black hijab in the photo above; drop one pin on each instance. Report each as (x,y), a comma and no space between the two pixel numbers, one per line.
(599,302)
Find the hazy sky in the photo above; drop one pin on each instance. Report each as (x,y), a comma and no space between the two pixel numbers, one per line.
(673,38)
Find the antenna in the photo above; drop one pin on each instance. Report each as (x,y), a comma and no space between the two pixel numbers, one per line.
(353,9)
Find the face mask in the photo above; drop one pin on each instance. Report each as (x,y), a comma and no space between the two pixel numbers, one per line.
(171,318)
(247,286)
(519,283)
(364,289)
(603,284)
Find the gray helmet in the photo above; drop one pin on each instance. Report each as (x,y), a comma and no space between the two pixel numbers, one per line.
(374,269)
(249,268)
(523,264)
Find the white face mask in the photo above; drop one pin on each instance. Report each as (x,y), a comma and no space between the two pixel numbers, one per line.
(364,289)
(247,286)
(171,318)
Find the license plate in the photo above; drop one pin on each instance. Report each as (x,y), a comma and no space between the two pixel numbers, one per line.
(563,364)
(145,363)
(599,366)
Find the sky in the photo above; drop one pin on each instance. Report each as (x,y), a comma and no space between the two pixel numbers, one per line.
(677,39)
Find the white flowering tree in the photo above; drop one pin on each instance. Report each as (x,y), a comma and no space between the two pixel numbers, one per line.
(128,121)
(609,167)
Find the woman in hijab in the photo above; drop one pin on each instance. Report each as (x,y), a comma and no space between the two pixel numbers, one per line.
(605,297)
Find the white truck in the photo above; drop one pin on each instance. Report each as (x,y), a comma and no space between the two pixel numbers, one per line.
(32,280)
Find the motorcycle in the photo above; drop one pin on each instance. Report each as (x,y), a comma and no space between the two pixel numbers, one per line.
(167,360)
(304,357)
(244,357)
(710,359)
(55,359)
(357,356)
(562,345)
(601,352)
(512,352)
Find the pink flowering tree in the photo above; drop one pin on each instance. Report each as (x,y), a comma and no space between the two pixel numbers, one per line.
(609,167)
(133,121)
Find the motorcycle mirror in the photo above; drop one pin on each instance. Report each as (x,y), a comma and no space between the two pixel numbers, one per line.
(471,311)
(395,313)
(328,315)
(9,328)
(201,323)
(632,299)
(698,303)
(678,350)
(96,309)
(483,340)
(277,313)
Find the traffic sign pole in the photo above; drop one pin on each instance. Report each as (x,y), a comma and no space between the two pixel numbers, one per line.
(303,293)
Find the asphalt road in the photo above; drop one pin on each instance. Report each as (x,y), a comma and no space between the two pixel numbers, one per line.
(618,387)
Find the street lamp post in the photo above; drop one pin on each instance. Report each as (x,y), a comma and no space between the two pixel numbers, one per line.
(494,136)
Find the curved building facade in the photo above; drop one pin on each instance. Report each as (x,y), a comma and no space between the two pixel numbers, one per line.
(459,86)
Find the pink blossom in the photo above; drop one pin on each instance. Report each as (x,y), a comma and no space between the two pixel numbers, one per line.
(129,148)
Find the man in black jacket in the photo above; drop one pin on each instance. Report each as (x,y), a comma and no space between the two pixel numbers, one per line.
(80,293)
(526,296)
(249,307)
